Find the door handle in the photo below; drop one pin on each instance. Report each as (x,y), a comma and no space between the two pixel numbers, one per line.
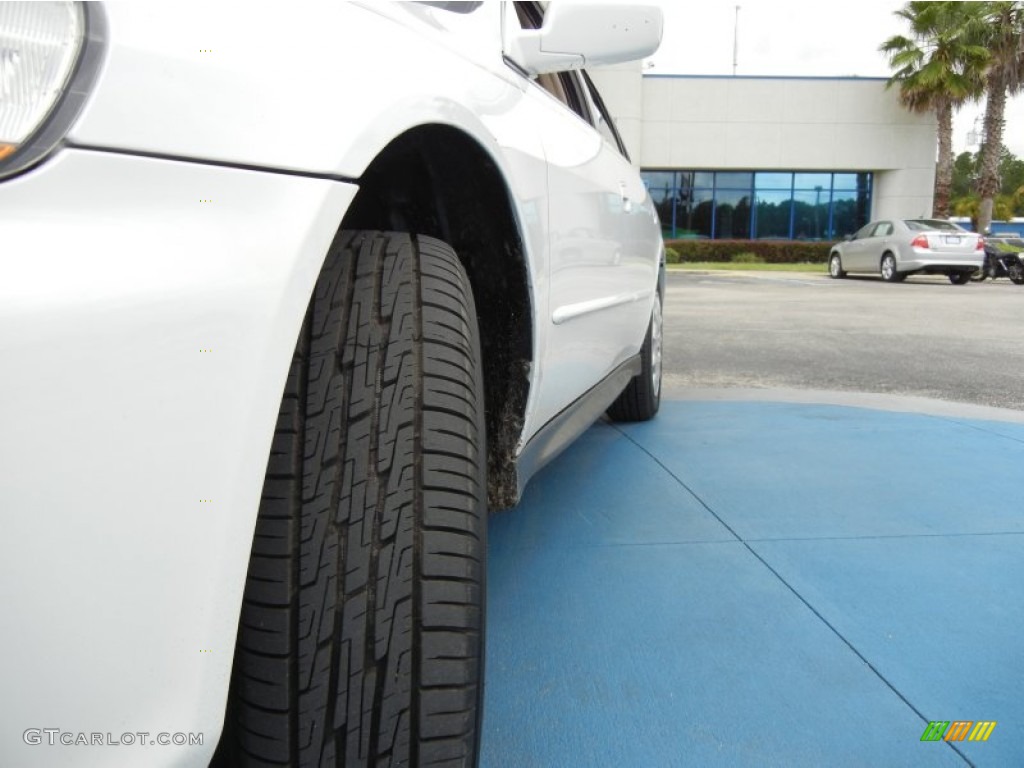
(627,202)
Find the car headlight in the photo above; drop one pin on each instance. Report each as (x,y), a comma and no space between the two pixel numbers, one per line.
(49,57)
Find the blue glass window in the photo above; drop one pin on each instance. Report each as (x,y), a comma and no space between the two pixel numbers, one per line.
(760,205)
(657,179)
(810,213)
(664,201)
(774,214)
(812,180)
(732,180)
(773,181)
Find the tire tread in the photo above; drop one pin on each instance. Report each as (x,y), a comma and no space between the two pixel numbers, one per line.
(370,540)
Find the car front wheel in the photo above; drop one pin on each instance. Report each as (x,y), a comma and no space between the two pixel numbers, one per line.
(360,641)
(835,267)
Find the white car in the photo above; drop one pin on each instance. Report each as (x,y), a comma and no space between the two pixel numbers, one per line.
(288,299)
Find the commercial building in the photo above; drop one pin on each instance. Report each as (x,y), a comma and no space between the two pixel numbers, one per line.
(745,157)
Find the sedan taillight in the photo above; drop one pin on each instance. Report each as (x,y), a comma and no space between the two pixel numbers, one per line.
(981,244)
(919,242)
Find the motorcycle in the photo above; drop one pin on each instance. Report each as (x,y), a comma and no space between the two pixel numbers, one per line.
(1000,263)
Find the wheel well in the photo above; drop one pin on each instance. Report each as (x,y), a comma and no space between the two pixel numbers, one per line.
(435,180)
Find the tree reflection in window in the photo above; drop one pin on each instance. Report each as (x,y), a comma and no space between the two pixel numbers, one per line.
(819,206)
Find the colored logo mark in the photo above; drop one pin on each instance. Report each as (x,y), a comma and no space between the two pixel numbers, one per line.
(958,730)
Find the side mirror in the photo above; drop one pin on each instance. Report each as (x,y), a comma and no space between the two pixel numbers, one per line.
(584,34)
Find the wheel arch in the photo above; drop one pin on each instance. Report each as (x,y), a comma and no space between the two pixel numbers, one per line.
(435,179)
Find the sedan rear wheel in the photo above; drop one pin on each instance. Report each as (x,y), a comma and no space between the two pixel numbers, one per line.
(959,278)
(641,398)
(835,267)
(889,272)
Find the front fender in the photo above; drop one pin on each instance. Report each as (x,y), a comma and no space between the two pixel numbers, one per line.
(318,93)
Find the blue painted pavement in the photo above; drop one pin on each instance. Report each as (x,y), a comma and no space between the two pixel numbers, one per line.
(759,584)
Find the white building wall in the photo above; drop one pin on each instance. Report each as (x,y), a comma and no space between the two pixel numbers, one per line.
(787,124)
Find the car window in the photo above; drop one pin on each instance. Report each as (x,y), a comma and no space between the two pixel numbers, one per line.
(567,87)
(576,95)
(604,123)
(882,229)
(863,232)
(932,225)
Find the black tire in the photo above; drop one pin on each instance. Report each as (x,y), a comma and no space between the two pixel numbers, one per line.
(888,270)
(1016,273)
(835,267)
(361,634)
(641,398)
(959,278)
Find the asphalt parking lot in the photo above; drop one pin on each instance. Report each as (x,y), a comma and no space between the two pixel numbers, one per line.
(923,337)
(801,562)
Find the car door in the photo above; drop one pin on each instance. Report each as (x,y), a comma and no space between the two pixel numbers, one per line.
(600,285)
(864,251)
(880,242)
(854,248)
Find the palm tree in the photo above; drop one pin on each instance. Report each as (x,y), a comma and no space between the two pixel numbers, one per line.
(1003,34)
(938,68)
(970,206)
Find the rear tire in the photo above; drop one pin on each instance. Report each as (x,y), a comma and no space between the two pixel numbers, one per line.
(959,278)
(1016,273)
(361,634)
(888,270)
(641,398)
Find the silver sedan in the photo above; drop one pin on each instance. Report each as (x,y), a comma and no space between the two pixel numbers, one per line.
(898,248)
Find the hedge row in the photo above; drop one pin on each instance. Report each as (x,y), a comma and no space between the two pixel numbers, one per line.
(772,251)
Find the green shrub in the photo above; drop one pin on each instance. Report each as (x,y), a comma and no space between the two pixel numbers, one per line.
(746,258)
(772,251)
(672,256)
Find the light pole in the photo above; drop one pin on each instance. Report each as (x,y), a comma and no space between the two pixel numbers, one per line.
(817,202)
(974,135)
(735,40)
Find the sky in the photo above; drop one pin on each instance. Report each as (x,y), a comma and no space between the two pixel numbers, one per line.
(797,37)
